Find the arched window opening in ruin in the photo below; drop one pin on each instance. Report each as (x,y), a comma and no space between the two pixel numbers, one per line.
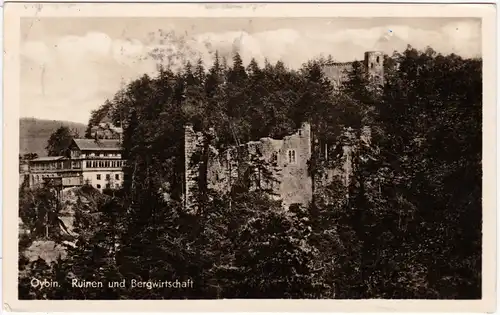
(378,59)
(292,156)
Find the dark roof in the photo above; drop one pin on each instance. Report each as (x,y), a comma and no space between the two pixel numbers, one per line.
(47,158)
(101,144)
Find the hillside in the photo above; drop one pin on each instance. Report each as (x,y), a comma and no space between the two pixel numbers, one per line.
(34,133)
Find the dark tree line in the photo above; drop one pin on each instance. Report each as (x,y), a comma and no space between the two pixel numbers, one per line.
(407,226)
(60,140)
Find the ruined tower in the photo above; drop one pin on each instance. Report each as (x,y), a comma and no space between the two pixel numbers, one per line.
(192,142)
(374,64)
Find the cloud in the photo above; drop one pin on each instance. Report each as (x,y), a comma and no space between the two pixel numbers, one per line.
(462,38)
(126,52)
(36,51)
(67,77)
(92,43)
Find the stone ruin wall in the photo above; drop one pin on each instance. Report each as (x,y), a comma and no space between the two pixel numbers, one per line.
(373,64)
(337,73)
(294,183)
(296,186)
(192,142)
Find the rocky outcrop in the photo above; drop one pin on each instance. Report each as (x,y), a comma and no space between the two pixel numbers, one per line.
(81,201)
(48,251)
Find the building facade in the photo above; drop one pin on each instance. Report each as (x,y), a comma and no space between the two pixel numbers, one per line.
(94,162)
(44,168)
(100,162)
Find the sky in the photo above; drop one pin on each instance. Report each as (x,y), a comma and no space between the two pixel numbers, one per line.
(70,66)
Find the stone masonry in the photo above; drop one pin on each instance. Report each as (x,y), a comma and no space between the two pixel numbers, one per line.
(373,64)
(290,154)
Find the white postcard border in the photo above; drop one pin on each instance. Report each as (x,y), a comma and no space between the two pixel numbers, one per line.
(13,12)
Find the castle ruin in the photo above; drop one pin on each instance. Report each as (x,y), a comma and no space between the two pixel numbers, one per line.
(287,160)
(373,64)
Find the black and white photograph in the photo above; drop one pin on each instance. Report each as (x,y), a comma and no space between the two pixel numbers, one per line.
(210,158)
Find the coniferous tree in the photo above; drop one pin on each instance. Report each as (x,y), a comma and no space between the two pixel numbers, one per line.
(60,141)
(413,191)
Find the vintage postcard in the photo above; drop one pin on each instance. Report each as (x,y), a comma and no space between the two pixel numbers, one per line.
(249,157)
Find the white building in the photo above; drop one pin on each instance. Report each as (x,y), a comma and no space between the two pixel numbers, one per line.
(94,162)
(100,161)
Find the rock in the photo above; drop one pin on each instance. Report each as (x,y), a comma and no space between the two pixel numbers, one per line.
(48,251)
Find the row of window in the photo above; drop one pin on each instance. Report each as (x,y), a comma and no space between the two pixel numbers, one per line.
(101,155)
(108,176)
(98,186)
(104,164)
(37,178)
(98,176)
(291,157)
(49,166)
(95,154)
(77,165)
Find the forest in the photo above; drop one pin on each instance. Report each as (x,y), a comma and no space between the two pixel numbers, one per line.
(409,228)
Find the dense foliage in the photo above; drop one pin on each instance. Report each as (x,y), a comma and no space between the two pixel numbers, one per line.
(408,225)
(60,140)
